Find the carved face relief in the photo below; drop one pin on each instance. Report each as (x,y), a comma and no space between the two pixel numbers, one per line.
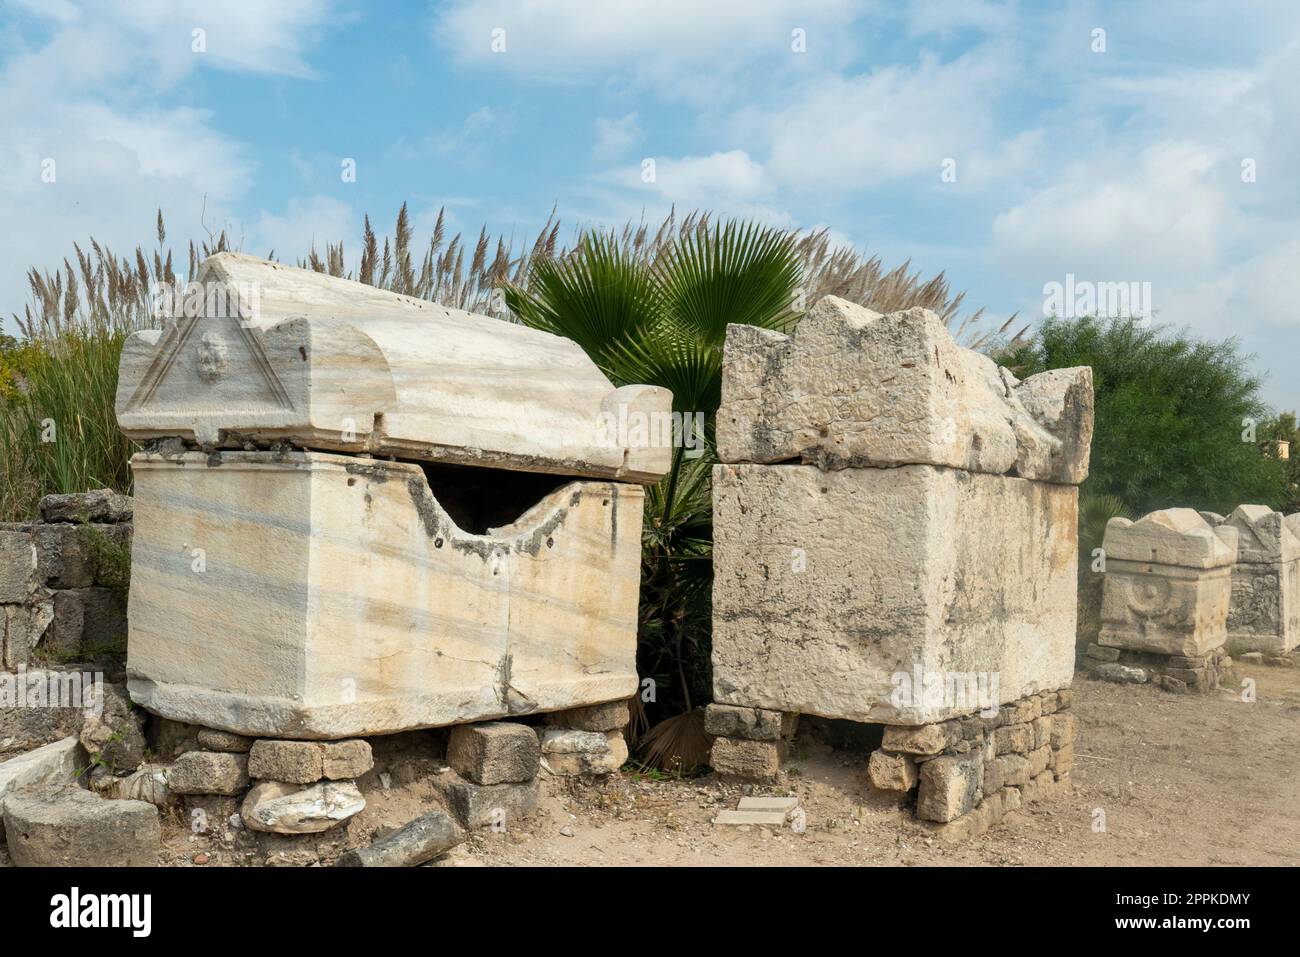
(213,357)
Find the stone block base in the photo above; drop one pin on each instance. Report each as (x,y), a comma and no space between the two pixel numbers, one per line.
(748,743)
(966,773)
(1176,673)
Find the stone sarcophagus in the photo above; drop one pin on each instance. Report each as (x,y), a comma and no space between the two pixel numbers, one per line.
(895,521)
(1264,614)
(359,513)
(1168,584)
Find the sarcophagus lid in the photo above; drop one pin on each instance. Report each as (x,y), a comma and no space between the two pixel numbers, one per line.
(263,352)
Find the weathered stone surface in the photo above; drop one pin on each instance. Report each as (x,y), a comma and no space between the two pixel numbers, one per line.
(1264,614)
(752,724)
(1014,738)
(500,752)
(45,768)
(1099,653)
(738,759)
(1043,786)
(1042,731)
(64,556)
(1063,730)
(99,505)
(1008,770)
(22,627)
(611,716)
(88,623)
(1171,536)
(113,731)
(330,363)
(892,772)
(71,827)
(570,752)
(979,819)
(208,772)
(294,762)
(1168,583)
(1063,759)
(410,845)
(496,805)
(338,562)
(302,850)
(926,739)
(346,759)
(148,783)
(950,786)
(38,707)
(1039,759)
(852,388)
(209,739)
(285,808)
(17,563)
(1120,674)
(170,739)
(828,585)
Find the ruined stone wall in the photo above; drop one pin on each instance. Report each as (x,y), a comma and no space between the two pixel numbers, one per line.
(63,582)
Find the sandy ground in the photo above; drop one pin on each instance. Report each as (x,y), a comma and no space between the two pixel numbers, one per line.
(1174,779)
(1180,779)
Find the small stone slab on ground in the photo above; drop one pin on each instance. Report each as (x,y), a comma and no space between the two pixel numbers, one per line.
(768,803)
(776,818)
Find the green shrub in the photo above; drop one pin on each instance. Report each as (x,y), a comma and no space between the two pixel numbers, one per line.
(58,430)
(1173,414)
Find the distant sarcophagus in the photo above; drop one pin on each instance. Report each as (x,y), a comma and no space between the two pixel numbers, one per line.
(475,555)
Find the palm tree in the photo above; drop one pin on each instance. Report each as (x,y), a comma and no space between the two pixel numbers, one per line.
(662,320)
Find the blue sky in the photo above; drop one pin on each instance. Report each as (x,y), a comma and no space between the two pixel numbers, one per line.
(1122,164)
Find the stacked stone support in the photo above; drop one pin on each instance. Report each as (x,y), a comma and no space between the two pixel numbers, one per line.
(895,542)
(966,773)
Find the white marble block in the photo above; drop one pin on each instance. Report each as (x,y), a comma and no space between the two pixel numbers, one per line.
(323,362)
(474,553)
(312,595)
(1168,583)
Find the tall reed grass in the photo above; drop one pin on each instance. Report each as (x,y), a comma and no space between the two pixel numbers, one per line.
(58,431)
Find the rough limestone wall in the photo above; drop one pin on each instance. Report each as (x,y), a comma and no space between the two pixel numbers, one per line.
(63,582)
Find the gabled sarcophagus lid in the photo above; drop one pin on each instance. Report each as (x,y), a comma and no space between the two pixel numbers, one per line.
(266,352)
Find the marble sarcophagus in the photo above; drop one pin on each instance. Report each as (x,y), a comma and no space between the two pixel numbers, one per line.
(359,513)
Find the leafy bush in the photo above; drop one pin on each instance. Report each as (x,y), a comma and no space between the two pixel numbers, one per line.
(1173,414)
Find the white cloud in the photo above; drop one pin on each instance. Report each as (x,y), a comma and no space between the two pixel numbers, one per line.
(481,131)
(615,136)
(854,132)
(1158,216)
(306,222)
(695,180)
(651,38)
(83,96)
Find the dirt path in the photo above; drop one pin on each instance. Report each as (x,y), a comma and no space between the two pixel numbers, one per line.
(1181,780)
